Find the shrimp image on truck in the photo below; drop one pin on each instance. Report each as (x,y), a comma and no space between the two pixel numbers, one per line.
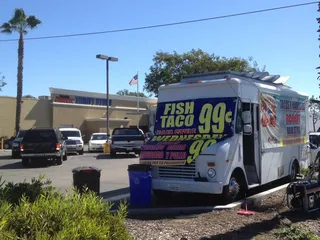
(225,133)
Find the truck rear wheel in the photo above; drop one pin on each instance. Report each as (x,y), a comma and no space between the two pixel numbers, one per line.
(59,160)
(25,162)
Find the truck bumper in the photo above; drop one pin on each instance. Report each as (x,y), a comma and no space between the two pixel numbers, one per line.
(187,186)
(40,155)
(135,149)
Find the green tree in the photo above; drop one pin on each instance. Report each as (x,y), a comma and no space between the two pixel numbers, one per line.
(126,92)
(29,96)
(2,82)
(168,68)
(20,23)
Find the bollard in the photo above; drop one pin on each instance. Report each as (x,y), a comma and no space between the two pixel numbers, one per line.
(106,147)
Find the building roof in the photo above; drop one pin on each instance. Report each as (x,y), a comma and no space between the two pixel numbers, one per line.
(100,95)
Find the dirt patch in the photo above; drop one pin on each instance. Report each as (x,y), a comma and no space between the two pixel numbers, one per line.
(272,220)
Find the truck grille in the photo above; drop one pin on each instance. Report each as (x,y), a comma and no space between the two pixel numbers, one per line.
(187,171)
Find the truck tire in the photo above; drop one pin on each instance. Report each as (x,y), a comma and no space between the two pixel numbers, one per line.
(113,154)
(162,195)
(232,191)
(293,171)
(81,152)
(65,156)
(59,160)
(25,162)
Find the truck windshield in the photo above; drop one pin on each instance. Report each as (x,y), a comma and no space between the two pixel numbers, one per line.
(204,116)
(71,133)
(39,136)
(99,137)
(127,131)
(314,139)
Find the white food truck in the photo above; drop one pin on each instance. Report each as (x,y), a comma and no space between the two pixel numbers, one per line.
(226,132)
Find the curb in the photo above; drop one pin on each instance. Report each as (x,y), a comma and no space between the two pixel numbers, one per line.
(251,201)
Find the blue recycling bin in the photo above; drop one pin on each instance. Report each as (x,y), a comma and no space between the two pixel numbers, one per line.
(140,182)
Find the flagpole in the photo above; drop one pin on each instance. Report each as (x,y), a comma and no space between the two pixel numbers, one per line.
(138,100)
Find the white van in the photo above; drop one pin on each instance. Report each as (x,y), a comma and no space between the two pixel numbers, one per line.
(225,133)
(73,134)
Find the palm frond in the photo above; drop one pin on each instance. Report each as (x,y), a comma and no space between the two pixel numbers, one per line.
(19,18)
(6,28)
(33,22)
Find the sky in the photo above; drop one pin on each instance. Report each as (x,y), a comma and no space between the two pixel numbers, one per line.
(286,41)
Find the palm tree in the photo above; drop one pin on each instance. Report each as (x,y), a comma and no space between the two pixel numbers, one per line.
(20,23)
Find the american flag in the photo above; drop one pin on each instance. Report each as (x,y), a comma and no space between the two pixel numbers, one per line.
(134,80)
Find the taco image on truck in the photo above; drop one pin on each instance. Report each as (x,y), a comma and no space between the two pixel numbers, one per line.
(225,133)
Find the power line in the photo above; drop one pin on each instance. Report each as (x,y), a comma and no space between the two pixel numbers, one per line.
(165,24)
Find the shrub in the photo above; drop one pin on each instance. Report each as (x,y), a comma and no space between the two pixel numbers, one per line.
(295,233)
(43,214)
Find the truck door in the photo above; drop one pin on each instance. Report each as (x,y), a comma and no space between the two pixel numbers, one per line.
(256,134)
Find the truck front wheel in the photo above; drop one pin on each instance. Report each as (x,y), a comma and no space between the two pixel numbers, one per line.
(232,191)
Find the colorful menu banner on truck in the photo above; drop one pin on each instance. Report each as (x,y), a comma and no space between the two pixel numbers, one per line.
(283,120)
(184,129)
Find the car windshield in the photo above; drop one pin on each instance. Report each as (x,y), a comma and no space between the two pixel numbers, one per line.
(99,137)
(71,133)
(127,131)
(21,134)
(39,136)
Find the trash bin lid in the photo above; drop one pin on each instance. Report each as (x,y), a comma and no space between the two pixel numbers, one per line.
(139,167)
(86,169)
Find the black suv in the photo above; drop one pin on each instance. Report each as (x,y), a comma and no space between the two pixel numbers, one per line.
(43,144)
(16,144)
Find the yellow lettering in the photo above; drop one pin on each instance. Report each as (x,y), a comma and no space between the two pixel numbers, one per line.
(174,138)
(189,108)
(189,120)
(163,121)
(173,108)
(205,118)
(167,108)
(197,137)
(182,137)
(206,136)
(194,150)
(180,108)
(229,117)
(167,138)
(158,138)
(179,120)
(170,122)
(218,117)
(190,137)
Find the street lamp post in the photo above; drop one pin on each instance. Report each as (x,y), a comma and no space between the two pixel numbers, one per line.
(112,59)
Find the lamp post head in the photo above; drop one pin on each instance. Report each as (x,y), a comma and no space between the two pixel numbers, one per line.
(104,57)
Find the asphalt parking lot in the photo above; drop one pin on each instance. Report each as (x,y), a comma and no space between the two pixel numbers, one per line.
(114,175)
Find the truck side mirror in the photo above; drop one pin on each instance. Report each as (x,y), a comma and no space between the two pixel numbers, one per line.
(246,117)
(247,129)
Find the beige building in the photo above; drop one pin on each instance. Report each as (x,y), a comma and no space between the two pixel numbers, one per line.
(80,109)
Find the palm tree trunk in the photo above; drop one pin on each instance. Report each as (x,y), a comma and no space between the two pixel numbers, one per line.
(19,81)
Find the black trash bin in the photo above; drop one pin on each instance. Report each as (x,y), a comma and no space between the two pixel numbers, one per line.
(87,177)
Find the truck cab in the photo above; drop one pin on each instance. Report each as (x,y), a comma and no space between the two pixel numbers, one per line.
(224,133)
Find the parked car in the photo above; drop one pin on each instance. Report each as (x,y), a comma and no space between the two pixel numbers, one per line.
(7,143)
(43,144)
(76,143)
(126,140)
(15,153)
(97,140)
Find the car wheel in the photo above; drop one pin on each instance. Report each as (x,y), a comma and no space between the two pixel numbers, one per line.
(59,160)
(81,152)
(65,156)
(25,162)
(6,146)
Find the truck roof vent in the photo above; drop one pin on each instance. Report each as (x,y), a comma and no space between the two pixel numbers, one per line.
(252,76)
